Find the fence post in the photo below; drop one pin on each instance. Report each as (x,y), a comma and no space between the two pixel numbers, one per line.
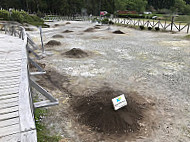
(188,29)
(43,51)
(172,23)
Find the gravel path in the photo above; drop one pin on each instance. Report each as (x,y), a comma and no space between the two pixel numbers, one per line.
(155,65)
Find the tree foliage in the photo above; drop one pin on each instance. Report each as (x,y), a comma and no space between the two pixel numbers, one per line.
(71,7)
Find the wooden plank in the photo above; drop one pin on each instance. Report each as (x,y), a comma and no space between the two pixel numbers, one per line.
(9,91)
(10,78)
(11,138)
(7,75)
(8,110)
(9,86)
(29,136)
(7,105)
(9,83)
(9,100)
(9,122)
(13,129)
(10,69)
(2,97)
(9,116)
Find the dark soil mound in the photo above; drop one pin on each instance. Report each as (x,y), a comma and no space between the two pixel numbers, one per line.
(89,30)
(118,32)
(57,36)
(97,27)
(53,43)
(67,31)
(96,111)
(76,53)
(68,23)
(56,25)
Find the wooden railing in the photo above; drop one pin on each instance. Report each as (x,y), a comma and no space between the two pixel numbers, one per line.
(164,25)
(68,18)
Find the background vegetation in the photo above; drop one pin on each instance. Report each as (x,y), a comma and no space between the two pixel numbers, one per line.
(70,7)
(21,17)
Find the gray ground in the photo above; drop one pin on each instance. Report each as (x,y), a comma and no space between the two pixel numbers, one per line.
(155,65)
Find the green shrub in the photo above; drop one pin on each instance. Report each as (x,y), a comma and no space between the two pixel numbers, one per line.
(131,16)
(4,14)
(96,20)
(105,21)
(149,28)
(111,22)
(157,28)
(142,27)
(21,17)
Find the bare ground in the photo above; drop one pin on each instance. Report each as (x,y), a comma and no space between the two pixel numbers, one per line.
(151,68)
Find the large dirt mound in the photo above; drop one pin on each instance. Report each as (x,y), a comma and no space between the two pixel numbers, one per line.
(76,53)
(53,43)
(96,111)
(118,32)
(57,36)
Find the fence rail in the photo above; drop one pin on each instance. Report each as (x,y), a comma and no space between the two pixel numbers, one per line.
(69,18)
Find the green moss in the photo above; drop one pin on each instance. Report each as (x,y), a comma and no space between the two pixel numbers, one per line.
(43,134)
(187,37)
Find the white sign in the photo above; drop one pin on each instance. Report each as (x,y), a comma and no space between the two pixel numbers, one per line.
(119,102)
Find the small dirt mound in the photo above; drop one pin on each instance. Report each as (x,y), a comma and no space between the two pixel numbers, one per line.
(118,32)
(56,25)
(89,30)
(53,43)
(57,36)
(76,53)
(97,27)
(68,23)
(67,31)
(96,111)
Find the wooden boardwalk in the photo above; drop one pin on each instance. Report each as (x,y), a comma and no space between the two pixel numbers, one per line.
(16,113)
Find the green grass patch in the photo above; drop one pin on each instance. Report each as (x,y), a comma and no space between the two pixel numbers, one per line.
(187,37)
(43,134)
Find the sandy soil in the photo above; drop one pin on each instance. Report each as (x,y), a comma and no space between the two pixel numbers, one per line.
(151,68)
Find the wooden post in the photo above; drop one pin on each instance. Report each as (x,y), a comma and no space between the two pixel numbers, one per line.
(43,51)
(165,25)
(172,23)
(159,24)
(188,29)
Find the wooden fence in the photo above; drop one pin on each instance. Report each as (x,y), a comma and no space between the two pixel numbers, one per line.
(164,25)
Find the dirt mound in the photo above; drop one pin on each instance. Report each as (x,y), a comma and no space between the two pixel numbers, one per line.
(53,43)
(57,36)
(96,111)
(67,31)
(89,30)
(68,23)
(76,53)
(118,32)
(97,27)
(56,25)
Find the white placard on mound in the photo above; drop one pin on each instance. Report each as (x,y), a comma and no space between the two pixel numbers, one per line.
(119,102)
